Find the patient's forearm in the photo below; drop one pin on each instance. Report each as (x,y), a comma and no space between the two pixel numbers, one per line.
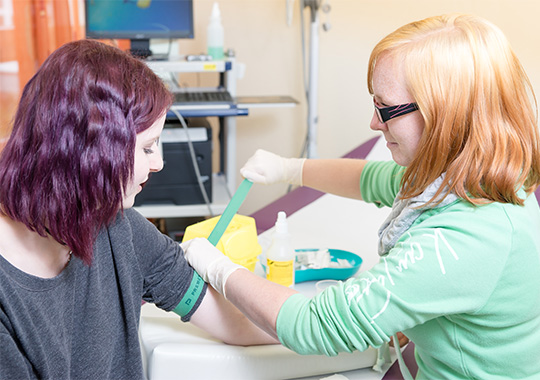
(224,321)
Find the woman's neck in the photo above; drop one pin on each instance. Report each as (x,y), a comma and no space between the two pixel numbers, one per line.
(31,253)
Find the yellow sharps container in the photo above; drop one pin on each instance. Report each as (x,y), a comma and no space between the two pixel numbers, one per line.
(239,241)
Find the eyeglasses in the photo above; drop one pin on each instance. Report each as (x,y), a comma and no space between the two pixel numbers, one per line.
(386,113)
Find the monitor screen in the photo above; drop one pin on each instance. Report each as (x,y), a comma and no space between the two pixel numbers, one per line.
(139,20)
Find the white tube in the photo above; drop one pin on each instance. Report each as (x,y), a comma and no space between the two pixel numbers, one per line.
(313,117)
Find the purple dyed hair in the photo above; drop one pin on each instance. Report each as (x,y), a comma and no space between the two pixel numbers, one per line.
(70,155)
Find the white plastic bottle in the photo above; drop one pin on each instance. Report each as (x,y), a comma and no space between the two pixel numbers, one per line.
(280,256)
(215,37)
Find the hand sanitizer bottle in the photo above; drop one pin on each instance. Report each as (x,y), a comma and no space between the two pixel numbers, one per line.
(280,256)
(215,34)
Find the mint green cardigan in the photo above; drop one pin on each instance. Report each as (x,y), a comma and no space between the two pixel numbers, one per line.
(463,283)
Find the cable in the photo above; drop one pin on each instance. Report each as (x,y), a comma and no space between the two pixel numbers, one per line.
(174,81)
(303,152)
(169,49)
(303,37)
(194,161)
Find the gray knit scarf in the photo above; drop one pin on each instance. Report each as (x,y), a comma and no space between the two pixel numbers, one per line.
(405,212)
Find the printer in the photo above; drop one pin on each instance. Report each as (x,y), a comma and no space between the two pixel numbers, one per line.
(176,183)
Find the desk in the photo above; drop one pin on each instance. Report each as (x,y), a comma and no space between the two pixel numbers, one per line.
(223,182)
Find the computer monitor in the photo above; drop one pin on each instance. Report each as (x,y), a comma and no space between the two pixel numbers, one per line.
(139,21)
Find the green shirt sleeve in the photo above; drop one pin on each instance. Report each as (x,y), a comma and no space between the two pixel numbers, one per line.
(380,182)
(327,324)
(441,270)
(460,272)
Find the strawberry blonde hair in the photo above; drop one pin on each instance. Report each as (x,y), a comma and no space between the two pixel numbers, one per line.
(478,105)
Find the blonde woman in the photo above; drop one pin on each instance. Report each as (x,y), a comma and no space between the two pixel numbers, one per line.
(460,251)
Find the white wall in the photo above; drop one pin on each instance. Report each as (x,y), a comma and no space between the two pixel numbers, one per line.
(271,51)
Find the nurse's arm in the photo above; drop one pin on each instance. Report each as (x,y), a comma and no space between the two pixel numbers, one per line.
(340,176)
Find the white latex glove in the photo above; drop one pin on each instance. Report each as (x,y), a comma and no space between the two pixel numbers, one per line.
(269,168)
(211,264)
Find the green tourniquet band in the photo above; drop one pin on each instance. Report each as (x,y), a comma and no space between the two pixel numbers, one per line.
(196,286)
(230,210)
(191,296)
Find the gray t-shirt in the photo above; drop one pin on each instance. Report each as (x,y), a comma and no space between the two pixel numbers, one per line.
(83,323)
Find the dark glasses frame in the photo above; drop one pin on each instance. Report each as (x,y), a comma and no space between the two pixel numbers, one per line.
(386,113)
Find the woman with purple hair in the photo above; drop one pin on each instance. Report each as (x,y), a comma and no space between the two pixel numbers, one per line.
(75,259)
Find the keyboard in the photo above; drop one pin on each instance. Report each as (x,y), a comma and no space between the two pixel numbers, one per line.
(203,98)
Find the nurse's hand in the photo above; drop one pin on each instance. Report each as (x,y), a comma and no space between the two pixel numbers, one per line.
(269,168)
(211,264)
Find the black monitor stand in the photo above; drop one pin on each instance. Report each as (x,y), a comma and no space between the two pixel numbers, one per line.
(140,48)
